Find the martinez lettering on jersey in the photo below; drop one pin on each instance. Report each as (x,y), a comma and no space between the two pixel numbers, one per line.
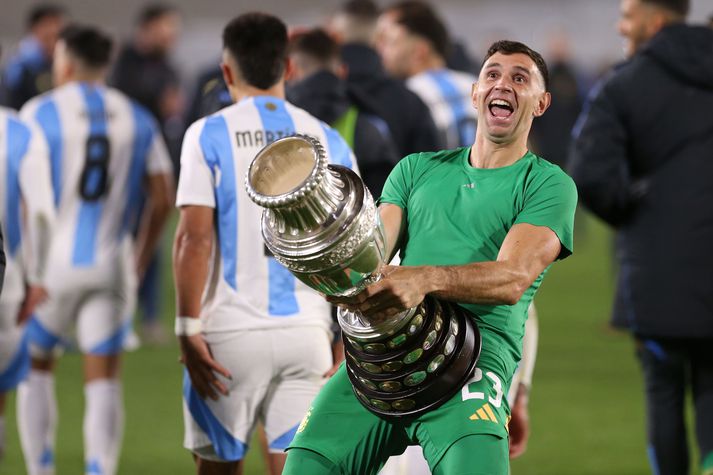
(260,138)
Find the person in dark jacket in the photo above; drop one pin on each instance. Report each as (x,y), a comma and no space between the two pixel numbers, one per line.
(642,161)
(566,105)
(409,119)
(143,70)
(209,96)
(316,86)
(29,72)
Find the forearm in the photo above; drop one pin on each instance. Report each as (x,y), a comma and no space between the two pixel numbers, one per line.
(149,234)
(529,347)
(191,255)
(393,222)
(522,396)
(526,251)
(495,282)
(153,221)
(39,237)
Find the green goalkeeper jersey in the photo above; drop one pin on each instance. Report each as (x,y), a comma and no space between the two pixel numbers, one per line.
(457,214)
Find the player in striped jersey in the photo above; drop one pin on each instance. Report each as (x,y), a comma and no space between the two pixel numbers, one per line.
(25,190)
(413,44)
(104,150)
(255,342)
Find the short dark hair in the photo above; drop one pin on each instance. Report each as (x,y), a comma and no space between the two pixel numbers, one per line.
(43,11)
(513,47)
(258,43)
(91,46)
(362,9)
(422,20)
(679,7)
(153,12)
(315,43)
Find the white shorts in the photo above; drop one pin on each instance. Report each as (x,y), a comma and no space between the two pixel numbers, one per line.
(102,317)
(276,375)
(14,355)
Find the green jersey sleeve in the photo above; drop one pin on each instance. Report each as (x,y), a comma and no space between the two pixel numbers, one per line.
(399,184)
(551,200)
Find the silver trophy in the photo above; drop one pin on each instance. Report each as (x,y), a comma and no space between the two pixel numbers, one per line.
(321,223)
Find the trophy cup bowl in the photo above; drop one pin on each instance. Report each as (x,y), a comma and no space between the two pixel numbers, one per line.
(321,223)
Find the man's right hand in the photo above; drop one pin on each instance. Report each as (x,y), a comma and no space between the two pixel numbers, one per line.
(202,368)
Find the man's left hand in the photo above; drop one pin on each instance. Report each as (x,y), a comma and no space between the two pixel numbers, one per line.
(519,426)
(400,288)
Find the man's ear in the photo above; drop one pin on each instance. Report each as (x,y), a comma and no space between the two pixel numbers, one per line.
(543,103)
(422,48)
(228,76)
(474,94)
(290,69)
(342,71)
(70,69)
(656,22)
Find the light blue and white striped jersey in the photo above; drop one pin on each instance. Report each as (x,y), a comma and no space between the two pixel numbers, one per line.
(447,94)
(25,202)
(102,145)
(248,289)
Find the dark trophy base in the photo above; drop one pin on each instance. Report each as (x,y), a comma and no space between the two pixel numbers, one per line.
(418,368)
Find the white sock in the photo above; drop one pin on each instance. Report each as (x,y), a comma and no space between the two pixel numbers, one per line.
(103,426)
(37,421)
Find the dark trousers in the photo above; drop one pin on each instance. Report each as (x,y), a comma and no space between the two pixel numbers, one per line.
(670,367)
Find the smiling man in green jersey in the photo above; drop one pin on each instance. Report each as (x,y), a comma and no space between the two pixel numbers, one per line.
(479,226)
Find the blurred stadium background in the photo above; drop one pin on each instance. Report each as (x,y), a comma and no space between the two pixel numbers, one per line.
(591,24)
(587,404)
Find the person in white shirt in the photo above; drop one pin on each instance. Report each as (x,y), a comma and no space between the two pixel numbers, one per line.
(256,342)
(26,216)
(104,151)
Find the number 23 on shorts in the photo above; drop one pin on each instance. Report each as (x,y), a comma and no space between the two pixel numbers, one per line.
(496,401)
(485,412)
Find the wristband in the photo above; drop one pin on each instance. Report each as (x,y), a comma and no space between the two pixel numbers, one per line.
(188,326)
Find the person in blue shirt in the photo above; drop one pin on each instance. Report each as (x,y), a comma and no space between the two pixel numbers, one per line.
(29,72)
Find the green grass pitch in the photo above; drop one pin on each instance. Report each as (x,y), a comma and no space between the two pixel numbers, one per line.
(586,406)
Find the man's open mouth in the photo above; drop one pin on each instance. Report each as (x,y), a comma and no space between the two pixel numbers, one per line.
(501,108)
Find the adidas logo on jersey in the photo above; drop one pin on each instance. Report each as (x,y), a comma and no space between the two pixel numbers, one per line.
(485,413)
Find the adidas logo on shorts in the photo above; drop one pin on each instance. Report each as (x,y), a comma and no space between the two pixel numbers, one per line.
(485,413)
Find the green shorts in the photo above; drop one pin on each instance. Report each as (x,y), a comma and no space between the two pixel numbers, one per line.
(356,441)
